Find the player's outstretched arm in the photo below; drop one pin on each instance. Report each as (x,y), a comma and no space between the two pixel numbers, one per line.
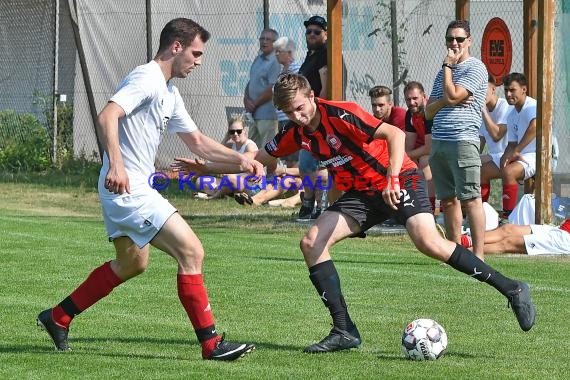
(223,159)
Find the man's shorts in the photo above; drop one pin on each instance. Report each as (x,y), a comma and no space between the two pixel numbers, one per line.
(368,208)
(139,216)
(547,240)
(456,169)
(495,158)
(529,165)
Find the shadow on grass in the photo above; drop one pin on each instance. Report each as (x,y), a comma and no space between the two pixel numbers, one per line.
(379,262)
(194,350)
(462,355)
(193,347)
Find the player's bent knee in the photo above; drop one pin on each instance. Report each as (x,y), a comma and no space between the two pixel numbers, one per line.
(190,255)
(435,247)
(132,268)
(307,244)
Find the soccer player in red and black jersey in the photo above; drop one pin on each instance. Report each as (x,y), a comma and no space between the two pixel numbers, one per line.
(368,160)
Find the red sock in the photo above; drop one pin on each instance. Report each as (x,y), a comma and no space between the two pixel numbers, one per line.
(510,193)
(466,241)
(193,296)
(60,317)
(485,191)
(97,285)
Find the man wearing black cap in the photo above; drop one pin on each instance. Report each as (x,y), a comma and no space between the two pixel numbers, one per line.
(314,68)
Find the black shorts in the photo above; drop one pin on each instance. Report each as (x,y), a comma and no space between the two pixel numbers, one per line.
(368,208)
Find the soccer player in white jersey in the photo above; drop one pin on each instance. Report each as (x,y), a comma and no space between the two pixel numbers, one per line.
(519,161)
(455,105)
(493,133)
(145,105)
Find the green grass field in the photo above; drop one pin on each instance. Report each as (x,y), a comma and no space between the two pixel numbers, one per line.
(52,236)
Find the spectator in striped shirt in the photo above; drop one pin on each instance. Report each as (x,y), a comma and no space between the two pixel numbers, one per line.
(455,105)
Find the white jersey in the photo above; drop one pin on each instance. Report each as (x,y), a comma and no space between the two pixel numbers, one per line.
(152,106)
(518,123)
(247,143)
(499,116)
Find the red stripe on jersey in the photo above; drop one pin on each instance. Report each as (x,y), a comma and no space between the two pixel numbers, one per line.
(417,124)
(344,144)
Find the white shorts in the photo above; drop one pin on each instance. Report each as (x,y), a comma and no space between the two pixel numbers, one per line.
(530,165)
(139,216)
(496,158)
(547,240)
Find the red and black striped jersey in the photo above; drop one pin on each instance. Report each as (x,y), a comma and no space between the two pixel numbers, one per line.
(418,124)
(343,143)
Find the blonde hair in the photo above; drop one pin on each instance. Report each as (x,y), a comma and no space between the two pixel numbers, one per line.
(287,87)
(237,119)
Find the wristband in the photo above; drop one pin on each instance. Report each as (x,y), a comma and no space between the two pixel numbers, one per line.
(446,65)
(395,178)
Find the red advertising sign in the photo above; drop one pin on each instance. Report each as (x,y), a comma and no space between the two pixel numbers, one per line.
(497,49)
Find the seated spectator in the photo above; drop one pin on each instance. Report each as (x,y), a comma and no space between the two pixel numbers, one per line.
(519,161)
(384,109)
(493,133)
(236,138)
(533,239)
(282,181)
(418,133)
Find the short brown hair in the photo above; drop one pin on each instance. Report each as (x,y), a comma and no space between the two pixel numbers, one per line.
(462,24)
(378,91)
(182,30)
(413,84)
(287,87)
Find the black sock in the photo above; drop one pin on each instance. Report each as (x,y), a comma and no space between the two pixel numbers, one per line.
(325,279)
(69,307)
(309,202)
(465,261)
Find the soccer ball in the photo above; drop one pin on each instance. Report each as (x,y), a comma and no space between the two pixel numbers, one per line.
(424,339)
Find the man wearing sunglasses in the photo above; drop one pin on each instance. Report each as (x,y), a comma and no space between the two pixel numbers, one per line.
(455,105)
(314,68)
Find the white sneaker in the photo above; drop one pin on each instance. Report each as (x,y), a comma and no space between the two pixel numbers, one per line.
(200,195)
(276,202)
